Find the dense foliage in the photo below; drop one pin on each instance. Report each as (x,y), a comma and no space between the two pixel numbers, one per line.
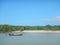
(8,28)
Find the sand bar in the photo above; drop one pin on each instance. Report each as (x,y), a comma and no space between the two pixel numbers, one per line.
(41,31)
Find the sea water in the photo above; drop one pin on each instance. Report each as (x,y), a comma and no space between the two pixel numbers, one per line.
(31,39)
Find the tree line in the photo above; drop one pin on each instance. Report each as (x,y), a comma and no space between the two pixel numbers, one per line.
(9,28)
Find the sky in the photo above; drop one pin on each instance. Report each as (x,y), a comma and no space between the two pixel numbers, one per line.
(30,12)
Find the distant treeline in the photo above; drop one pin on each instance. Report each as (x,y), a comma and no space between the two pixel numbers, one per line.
(9,28)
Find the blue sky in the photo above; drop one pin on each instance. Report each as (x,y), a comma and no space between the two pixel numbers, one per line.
(30,12)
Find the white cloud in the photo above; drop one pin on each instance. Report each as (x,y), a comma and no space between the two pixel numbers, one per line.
(56,18)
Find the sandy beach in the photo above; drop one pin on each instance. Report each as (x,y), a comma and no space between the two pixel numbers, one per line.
(40,31)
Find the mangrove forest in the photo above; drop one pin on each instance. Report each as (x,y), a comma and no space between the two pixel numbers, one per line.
(9,28)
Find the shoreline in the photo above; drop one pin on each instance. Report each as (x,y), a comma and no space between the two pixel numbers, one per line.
(40,31)
(35,31)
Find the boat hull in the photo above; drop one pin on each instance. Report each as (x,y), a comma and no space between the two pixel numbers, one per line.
(15,34)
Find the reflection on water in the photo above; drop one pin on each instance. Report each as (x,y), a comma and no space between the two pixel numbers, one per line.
(31,39)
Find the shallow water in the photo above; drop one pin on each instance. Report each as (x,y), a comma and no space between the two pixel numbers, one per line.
(31,39)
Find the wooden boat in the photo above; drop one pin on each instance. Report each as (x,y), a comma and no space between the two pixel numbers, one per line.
(15,34)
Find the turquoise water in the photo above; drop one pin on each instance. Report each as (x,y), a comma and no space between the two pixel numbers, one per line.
(31,39)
